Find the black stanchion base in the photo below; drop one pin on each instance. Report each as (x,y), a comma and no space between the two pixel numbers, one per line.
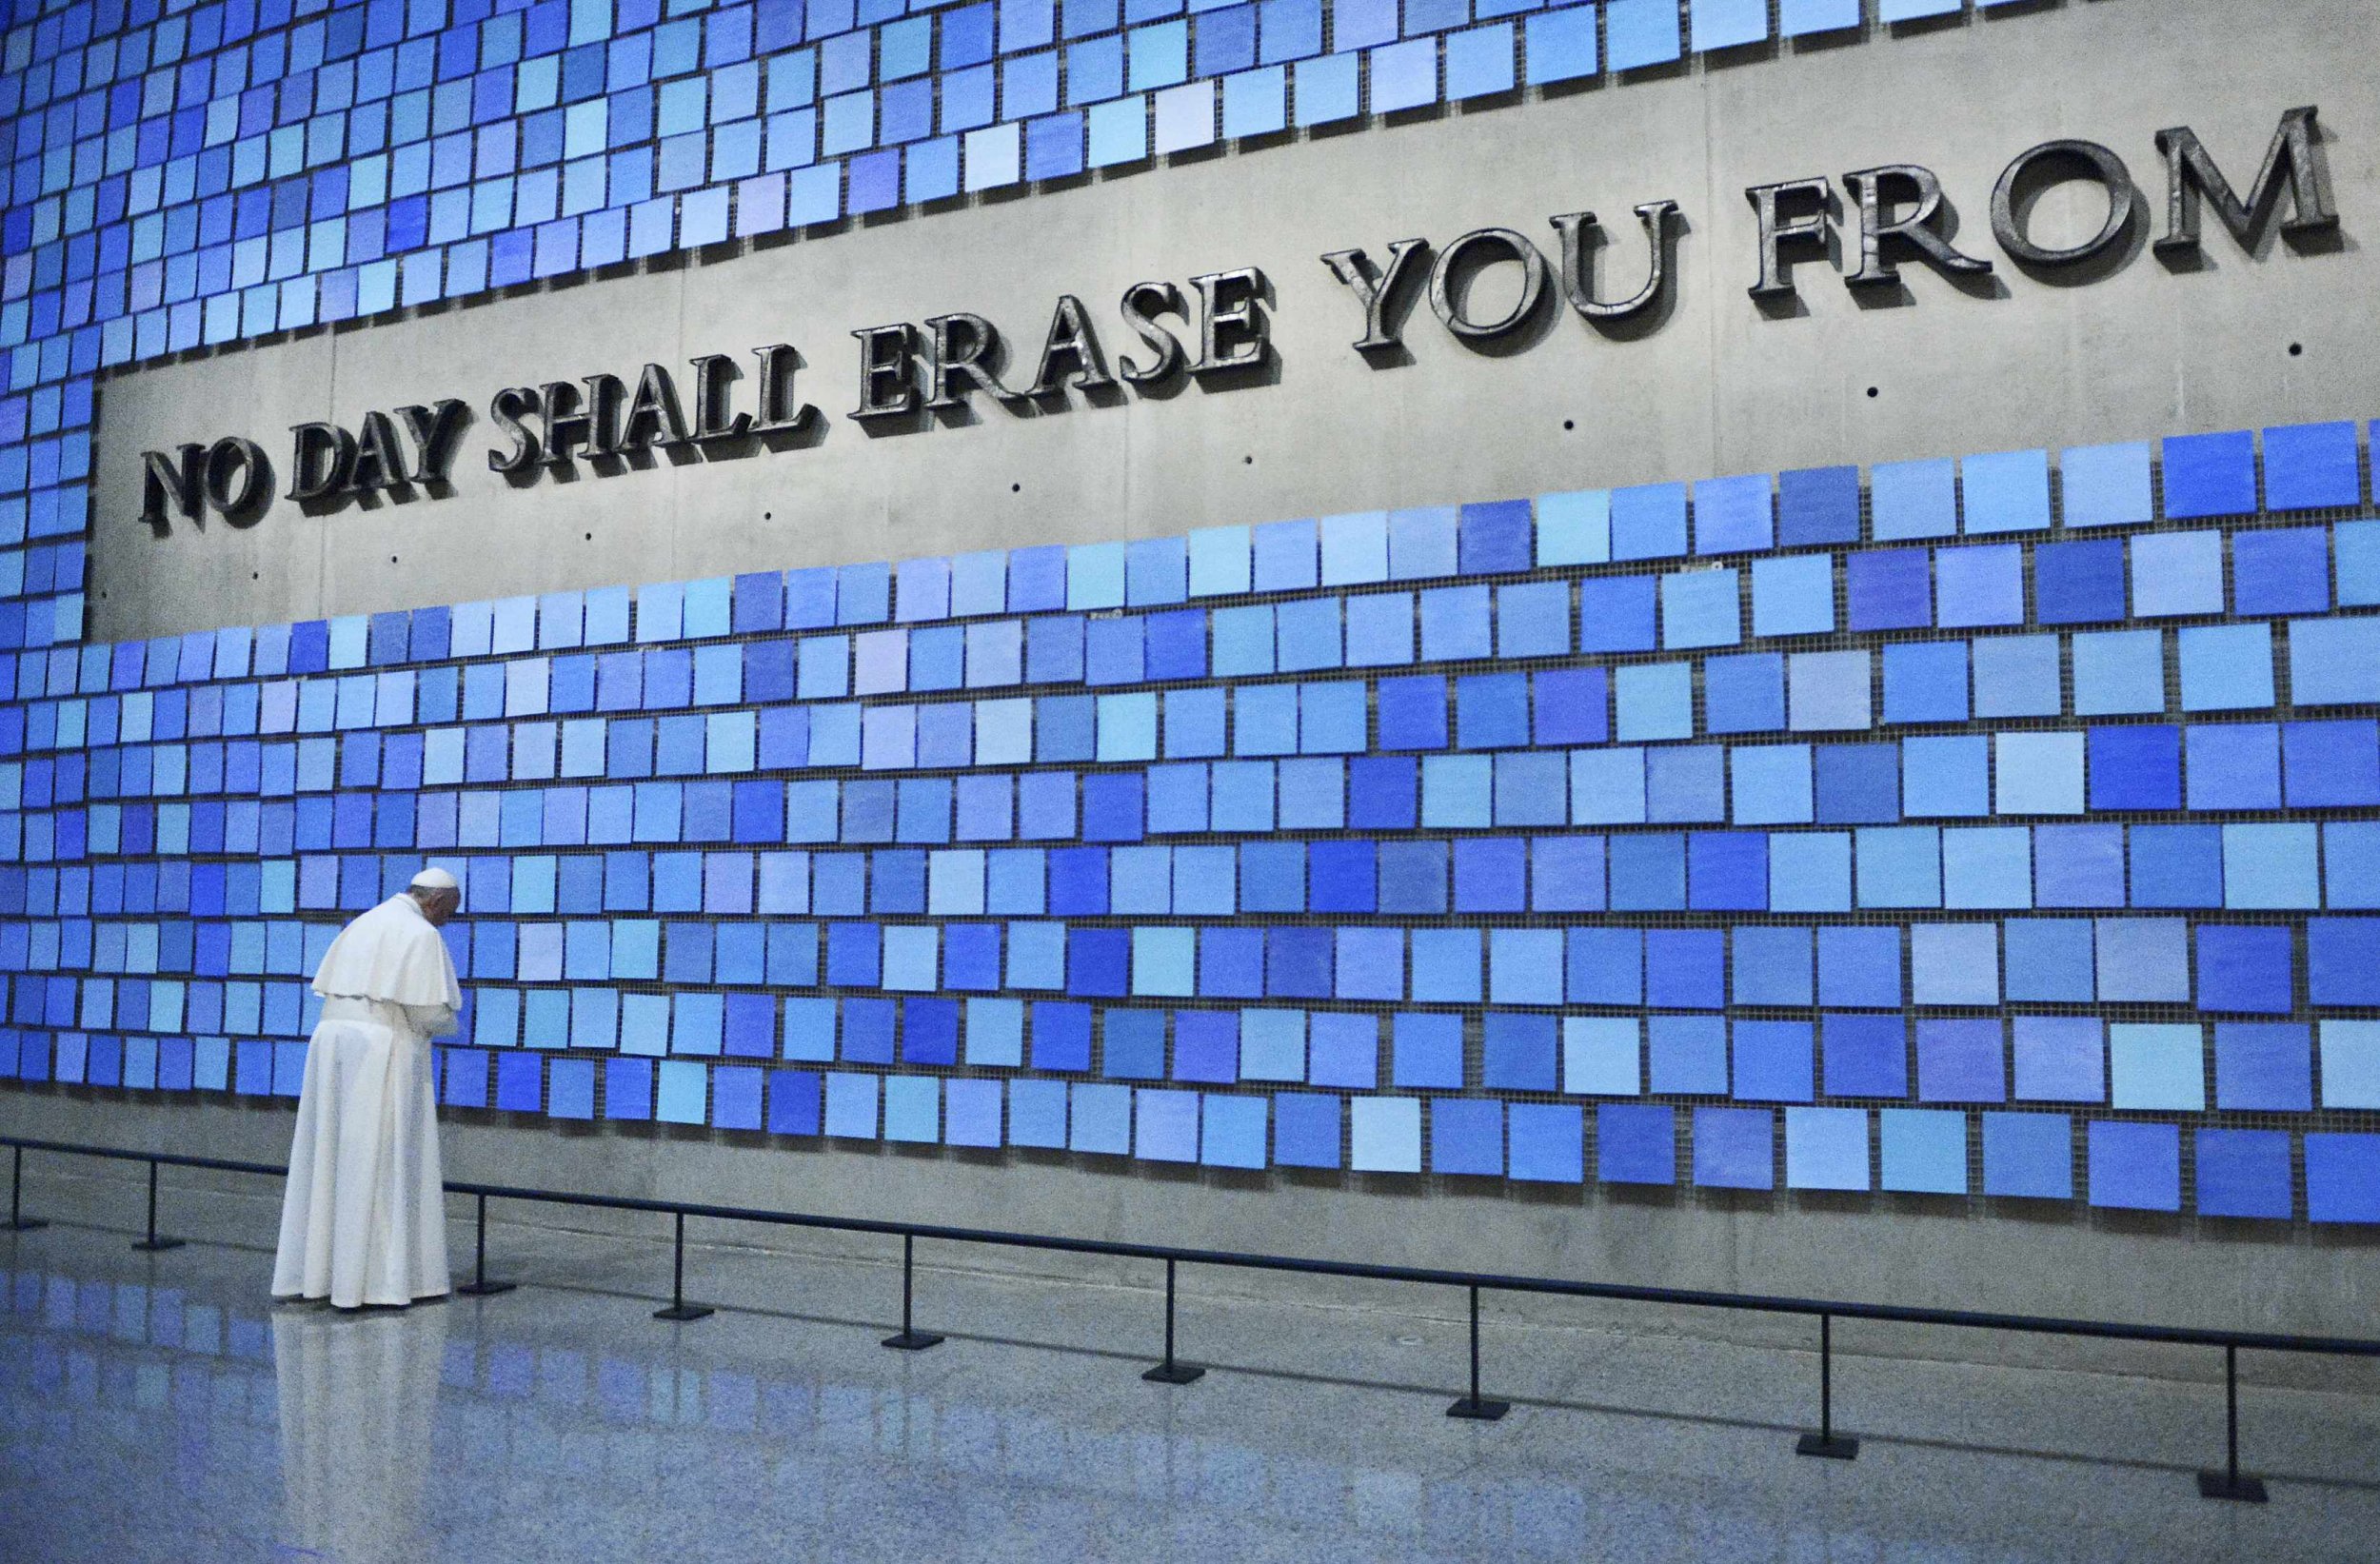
(683,1311)
(913,1341)
(1174,1372)
(152,1246)
(1471,1408)
(485,1289)
(2239,1489)
(1838,1447)
(23,1224)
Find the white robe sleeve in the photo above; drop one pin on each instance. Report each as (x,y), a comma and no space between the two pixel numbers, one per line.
(430,1020)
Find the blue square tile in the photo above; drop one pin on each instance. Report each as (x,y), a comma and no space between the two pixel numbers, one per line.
(2310,466)
(2211,475)
(2135,1166)
(1636,1143)
(2029,1155)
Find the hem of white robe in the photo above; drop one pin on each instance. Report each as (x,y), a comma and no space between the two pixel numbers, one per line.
(368,1303)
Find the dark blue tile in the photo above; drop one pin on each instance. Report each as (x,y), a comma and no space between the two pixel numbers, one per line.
(2135,767)
(1889,590)
(2211,475)
(2079,583)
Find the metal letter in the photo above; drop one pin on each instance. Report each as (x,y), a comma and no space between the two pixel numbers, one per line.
(887,389)
(778,408)
(568,424)
(166,485)
(1070,354)
(2296,163)
(434,431)
(1487,241)
(603,394)
(654,417)
(237,459)
(2095,161)
(1775,234)
(1868,186)
(1376,289)
(1579,266)
(957,359)
(1233,330)
(506,408)
(321,458)
(714,387)
(1141,303)
(378,460)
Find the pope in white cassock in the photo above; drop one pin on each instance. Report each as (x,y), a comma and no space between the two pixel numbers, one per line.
(364,1221)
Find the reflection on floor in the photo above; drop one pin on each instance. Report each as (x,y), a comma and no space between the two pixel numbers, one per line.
(156,1407)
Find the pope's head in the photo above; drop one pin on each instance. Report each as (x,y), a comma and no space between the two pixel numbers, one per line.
(437,894)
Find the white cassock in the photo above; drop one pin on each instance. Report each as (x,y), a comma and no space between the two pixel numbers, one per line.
(363,1220)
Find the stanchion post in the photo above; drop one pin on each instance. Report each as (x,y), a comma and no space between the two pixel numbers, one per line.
(1173,1371)
(679,1308)
(479,1286)
(911,1339)
(2229,1483)
(18,1221)
(1826,1443)
(1471,1407)
(153,1243)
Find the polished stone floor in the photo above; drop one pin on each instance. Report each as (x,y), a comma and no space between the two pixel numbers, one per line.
(156,1407)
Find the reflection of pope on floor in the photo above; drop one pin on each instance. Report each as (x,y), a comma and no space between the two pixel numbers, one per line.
(358,1401)
(363,1220)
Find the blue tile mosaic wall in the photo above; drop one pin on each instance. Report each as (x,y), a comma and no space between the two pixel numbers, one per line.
(1975,828)
(2004,827)
(175,175)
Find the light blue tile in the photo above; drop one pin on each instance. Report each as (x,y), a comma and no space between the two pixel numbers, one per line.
(684,1092)
(2157,1067)
(1325,89)
(2350,1064)
(1386,1135)
(1256,103)
(1404,75)
(1165,1125)
(1119,131)
(1232,1131)
(1826,1148)
(1479,62)
(1575,528)
(1562,45)
(2008,491)
(1727,24)
(1924,1151)
(2106,486)
(1641,33)
(851,1101)
(2227,667)
(912,1109)
(1798,18)
(1101,1119)
(1915,499)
